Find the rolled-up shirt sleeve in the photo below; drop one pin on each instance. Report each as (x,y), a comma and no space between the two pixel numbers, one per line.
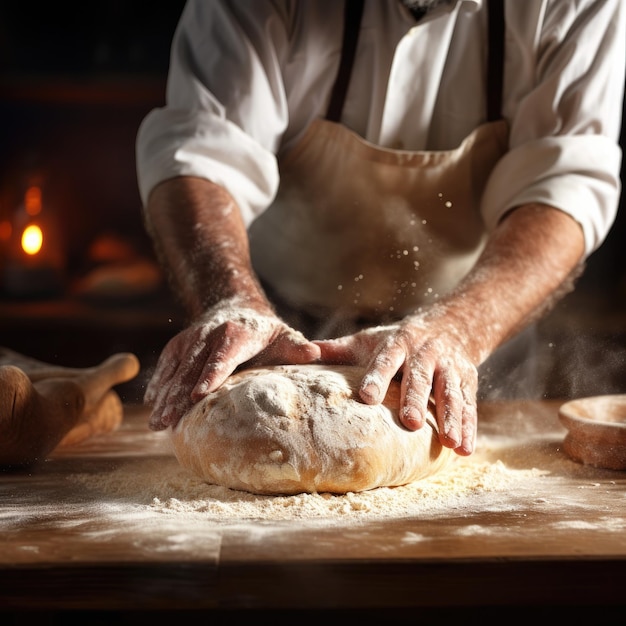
(247,77)
(565,111)
(578,174)
(226,108)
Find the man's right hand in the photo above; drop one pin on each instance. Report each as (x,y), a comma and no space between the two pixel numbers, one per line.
(199,359)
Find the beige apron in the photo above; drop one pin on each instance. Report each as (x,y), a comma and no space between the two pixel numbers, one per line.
(364,231)
(360,231)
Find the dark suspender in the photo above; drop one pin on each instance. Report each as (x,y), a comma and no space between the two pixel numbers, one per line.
(351,26)
(495,58)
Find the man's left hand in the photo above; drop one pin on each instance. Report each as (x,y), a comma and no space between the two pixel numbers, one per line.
(425,351)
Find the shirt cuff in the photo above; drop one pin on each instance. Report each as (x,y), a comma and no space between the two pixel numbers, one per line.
(175,142)
(579,175)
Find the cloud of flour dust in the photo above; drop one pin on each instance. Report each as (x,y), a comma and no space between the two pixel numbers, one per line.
(540,366)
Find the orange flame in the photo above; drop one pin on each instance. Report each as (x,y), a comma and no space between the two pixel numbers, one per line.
(32,239)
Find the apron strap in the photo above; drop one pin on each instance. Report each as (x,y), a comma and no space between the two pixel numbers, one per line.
(495,59)
(351,27)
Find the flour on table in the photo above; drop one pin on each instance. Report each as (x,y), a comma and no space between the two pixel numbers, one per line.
(163,486)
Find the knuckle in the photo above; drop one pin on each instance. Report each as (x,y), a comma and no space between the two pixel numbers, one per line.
(383,360)
(414,397)
(417,372)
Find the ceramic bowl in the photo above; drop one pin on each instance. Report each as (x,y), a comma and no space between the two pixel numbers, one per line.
(596,430)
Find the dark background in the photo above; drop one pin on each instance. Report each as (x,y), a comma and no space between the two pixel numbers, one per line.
(76,79)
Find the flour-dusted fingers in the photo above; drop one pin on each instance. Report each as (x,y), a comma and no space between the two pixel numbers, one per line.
(198,360)
(163,410)
(416,391)
(165,368)
(202,359)
(454,390)
(268,342)
(356,349)
(293,347)
(469,428)
(389,347)
(171,408)
(173,378)
(448,405)
(429,353)
(385,364)
(173,399)
(338,351)
(289,346)
(161,384)
(226,347)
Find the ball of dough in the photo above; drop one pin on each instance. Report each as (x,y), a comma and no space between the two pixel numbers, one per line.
(301,428)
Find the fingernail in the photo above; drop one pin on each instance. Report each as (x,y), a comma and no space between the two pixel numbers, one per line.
(411,419)
(465,448)
(370,388)
(200,390)
(453,438)
(371,392)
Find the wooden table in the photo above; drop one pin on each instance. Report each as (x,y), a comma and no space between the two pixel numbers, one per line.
(554,536)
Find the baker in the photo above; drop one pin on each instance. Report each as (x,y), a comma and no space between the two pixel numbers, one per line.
(400,185)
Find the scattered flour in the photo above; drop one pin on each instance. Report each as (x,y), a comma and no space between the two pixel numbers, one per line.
(162,486)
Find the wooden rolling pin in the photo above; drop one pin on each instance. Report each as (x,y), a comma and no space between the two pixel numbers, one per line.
(43,406)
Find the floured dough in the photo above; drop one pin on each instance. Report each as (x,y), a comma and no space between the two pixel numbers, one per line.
(300,428)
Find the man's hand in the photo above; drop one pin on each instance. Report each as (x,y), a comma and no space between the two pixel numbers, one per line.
(426,351)
(529,262)
(201,239)
(200,358)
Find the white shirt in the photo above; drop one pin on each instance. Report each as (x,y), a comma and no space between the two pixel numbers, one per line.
(247,77)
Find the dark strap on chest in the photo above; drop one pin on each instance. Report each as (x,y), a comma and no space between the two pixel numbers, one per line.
(353,12)
(495,59)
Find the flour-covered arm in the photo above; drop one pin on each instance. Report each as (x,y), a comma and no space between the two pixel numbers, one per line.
(200,237)
(529,258)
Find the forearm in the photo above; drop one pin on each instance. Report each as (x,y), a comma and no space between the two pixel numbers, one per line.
(201,241)
(530,260)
